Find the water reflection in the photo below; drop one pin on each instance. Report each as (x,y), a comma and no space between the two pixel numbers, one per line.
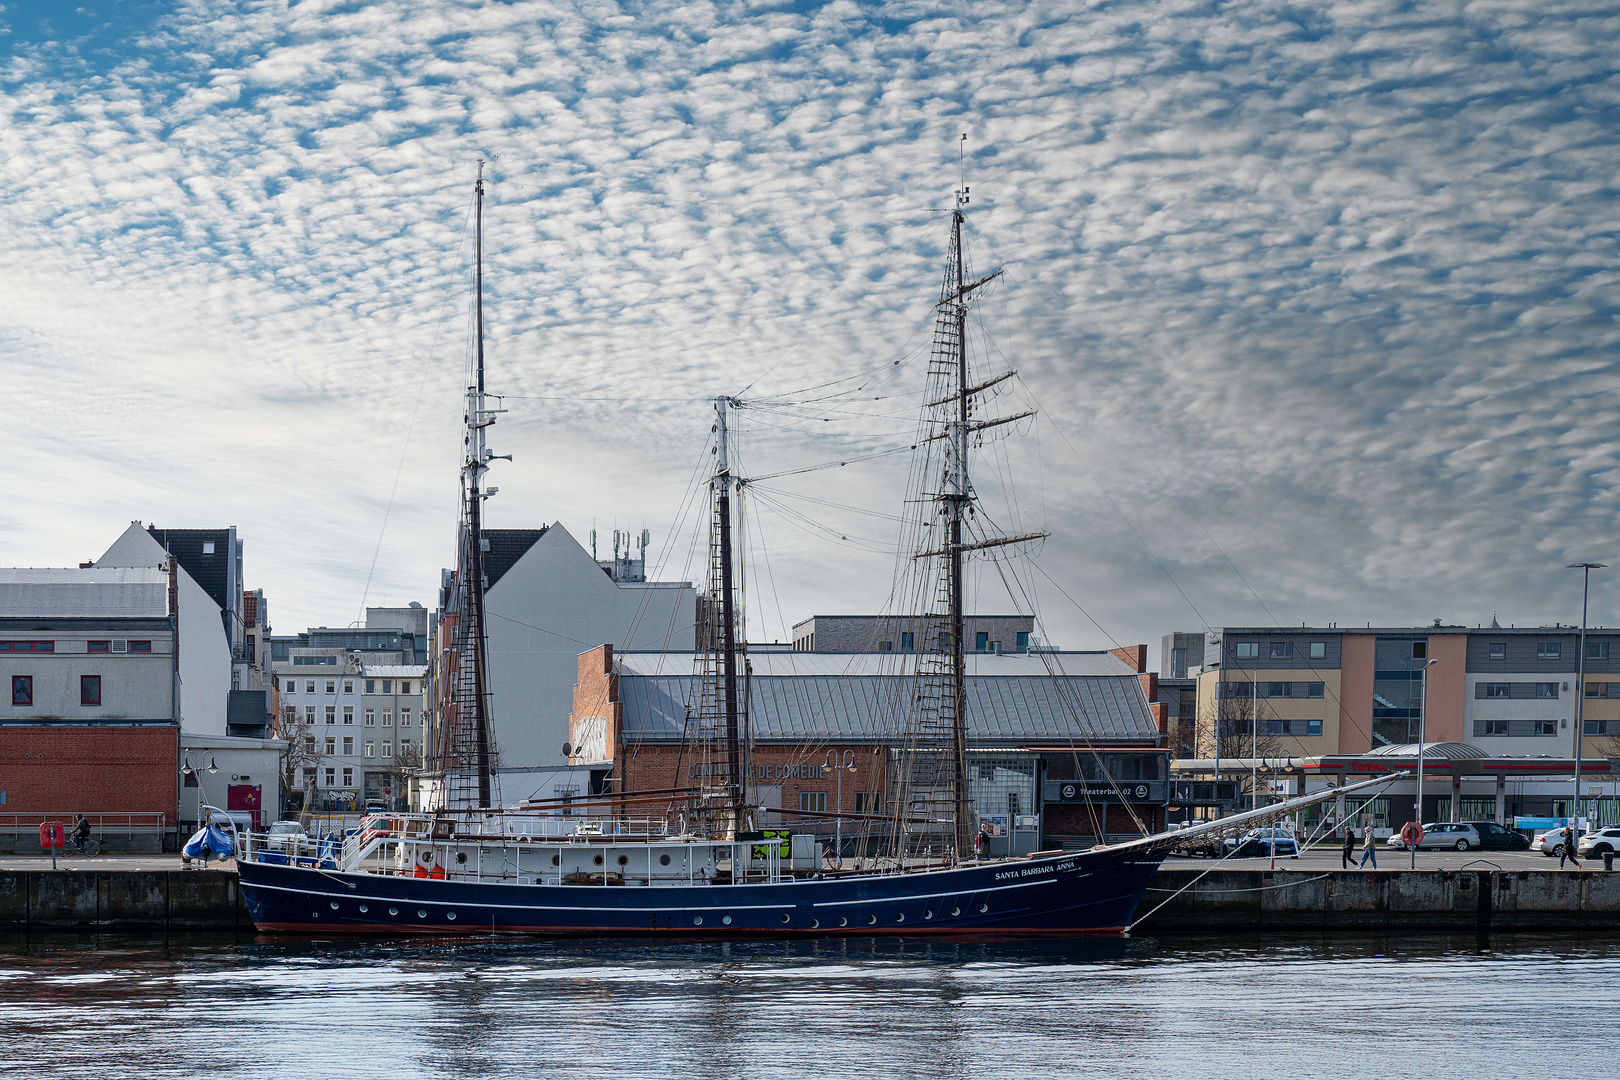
(1253,1007)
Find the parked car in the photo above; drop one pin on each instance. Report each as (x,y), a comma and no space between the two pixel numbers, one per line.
(1551,842)
(1599,842)
(1443,834)
(285,835)
(1262,842)
(1495,837)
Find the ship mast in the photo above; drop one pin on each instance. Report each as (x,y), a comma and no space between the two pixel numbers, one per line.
(732,765)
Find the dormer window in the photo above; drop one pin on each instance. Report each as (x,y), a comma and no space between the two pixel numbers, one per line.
(208,547)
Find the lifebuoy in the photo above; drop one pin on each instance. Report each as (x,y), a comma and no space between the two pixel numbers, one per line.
(1411,834)
(52,835)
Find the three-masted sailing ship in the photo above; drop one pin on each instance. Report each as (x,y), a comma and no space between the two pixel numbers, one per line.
(472,867)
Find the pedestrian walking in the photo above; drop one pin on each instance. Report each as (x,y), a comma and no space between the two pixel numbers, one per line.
(1369,848)
(1567,849)
(1348,854)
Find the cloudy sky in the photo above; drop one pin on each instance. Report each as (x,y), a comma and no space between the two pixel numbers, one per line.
(1317,300)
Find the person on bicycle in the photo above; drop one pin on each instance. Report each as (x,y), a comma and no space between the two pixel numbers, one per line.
(81,831)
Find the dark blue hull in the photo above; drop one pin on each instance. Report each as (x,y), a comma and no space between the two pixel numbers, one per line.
(1093,892)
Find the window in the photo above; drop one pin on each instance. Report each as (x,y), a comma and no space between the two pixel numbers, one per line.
(89,689)
(1282,650)
(388,749)
(331,686)
(140,646)
(291,686)
(309,687)
(1546,689)
(348,715)
(981,642)
(404,746)
(1277,689)
(348,686)
(1596,689)
(22,690)
(98,646)
(1496,727)
(208,547)
(331,714)
(371,748)
(813,800)
(371,718)
(908,642)
(348,745)
(1313,727)
(1497,689)
(1021,642)
(309,776)
(309,743)
(27,646)
(1248,650)
(1318,650)
(1597,650)
(1601,727)
(331,777)
(388,718)
(1549,650)
(388,686)
(309,714)
(331,746)
(404,718)
(405,687)
(1546,727)
(868,802)
(885,646)
(348,778)
(1313,689)
(371,686)
(1498,650)
(1420,650)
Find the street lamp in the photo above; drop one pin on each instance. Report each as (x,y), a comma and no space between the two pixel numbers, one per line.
(1586,569)
(1423,711)
(839,767)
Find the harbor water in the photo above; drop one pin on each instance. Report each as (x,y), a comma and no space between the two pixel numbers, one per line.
(1344,1006)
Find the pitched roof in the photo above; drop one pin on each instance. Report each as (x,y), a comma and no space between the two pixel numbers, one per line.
(506,547)
(209,571)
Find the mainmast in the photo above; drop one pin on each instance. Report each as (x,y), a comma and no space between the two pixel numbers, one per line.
(735,786)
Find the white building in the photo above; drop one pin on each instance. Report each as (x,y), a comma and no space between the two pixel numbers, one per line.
(548,600)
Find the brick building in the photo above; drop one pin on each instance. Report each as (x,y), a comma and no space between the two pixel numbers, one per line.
(823,731)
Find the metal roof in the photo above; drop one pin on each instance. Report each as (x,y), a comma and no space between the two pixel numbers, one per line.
(785,662)
(1010,708)
(393,671)
(100,592)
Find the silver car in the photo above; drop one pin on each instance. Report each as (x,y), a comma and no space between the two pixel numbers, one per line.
(1458,835)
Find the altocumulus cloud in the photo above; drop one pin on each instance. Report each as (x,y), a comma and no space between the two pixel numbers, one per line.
(1339,279)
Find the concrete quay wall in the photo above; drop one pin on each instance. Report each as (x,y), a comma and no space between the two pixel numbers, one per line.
(110,901)
(1450,900)
(1210,902)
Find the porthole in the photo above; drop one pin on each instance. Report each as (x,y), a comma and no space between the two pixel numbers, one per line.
(461,857)
(871,920)
(556,860)
(815,924)
(663,860)
(450,915)
(786,918)
(900,917)
(421,913)
(334,905)
(624,860)
(956,911)
(697,920)
(927,915)
(726,920)
(364,909)
(393,911)
(843,921)
(598,860)
(984,907)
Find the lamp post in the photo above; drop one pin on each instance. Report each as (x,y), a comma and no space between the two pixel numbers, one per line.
(1586,569)
(1423,711)
(839,767)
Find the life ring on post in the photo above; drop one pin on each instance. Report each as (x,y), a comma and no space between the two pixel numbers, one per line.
(1411,834)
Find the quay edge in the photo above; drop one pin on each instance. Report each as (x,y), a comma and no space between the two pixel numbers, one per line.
(1220,901)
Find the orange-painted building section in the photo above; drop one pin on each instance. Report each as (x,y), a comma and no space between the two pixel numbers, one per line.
(1356,693)
(1447,680)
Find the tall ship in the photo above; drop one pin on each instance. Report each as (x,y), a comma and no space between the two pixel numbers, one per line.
(694,861)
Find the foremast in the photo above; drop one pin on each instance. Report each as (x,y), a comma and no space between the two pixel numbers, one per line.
(934,780)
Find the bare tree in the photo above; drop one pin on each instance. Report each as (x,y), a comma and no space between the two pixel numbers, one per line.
(302,752)
(1237,735)
(407,760)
